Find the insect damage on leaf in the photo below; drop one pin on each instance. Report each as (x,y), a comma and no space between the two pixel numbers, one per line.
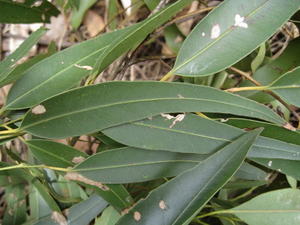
(80,178)
(239,21)
(39,109)
(78,159)
(215,31)
(178,118)
(83,67)
(59,218)
(162,205)
(137,216)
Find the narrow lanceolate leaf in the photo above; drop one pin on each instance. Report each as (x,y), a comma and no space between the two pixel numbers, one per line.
(272,208)
(130,165)
(288,87)
(267,74)
(80,214)
(60,155)
(58,72)
(194,135)
(218,42)
(178,200)
(55,154)
(113,166)
(123,44)
(11,61)
(28,12)
(72,113)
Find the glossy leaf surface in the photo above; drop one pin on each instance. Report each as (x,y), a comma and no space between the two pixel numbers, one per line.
(178,200)
(272,208)
(218,42)
(89,109)
(194,135)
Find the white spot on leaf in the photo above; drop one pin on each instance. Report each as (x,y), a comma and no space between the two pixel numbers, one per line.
(223,120)
(83,67)
(239,21)
(167,116)
(162,205)
(178,118)
(203,34)
(78,159)
(270,163)
(39,109)
(137,216)
(215,31)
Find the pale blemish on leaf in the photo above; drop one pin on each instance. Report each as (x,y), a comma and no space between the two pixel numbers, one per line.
(180,96)
(162,205)
(83,67)
(223,120)
(167,116)
(12,60)
(270,163)
(239,21)
(80,178)
(37,3)
(289,127)
(43,17)
(203,34)
(39,109)
(215,31)
(59,218)
(137,216)
(78,159)
(178,118)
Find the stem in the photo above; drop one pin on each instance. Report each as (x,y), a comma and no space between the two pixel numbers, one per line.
(25,166)
(274,95)
(255,88)
(167,76)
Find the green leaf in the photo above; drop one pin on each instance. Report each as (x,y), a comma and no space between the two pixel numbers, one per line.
(113,166)
(194,135)
(15,212)
(272,208)
(109,217)
(19,70)
(287,61)
(288,87)
(124,43)
(218,42)
(53,153)
(60,155)
(255,64)
(271,130)
(10,62)
(28,12)
(178,200)
(58,72)
(71,113)
(80,214)
(78,14)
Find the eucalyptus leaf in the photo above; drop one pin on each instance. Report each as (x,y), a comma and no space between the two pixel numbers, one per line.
(15,12)
(194,135)
(271,208)
(10,62)
(124,43)
(58,72)
(219,41)
(178,200)
(89,109)
(288,87)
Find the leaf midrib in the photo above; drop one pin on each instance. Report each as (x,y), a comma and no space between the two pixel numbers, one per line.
(139,101)
(225,33)
(53,76)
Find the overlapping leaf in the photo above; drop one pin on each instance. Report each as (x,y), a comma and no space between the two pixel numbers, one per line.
(272,208)
(230,32)
(194,135)
(178,200)
(97,107)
